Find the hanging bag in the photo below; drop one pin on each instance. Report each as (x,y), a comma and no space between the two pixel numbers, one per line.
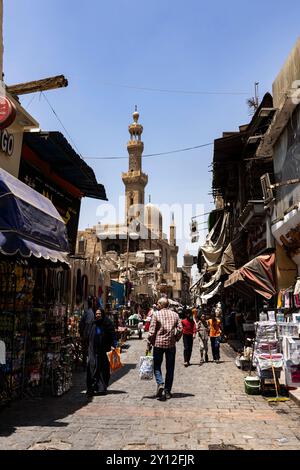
(114,358)
(146,367)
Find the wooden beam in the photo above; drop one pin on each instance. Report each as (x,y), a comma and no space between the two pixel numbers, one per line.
(49,83)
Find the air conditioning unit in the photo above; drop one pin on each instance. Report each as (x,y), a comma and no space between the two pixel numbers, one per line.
(266,188)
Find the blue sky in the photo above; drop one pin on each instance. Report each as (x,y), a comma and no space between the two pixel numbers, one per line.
(193,45)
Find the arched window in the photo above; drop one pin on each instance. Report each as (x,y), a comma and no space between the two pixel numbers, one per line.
(81,246)
(85,283)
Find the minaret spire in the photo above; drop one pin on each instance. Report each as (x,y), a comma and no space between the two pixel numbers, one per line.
(135,180)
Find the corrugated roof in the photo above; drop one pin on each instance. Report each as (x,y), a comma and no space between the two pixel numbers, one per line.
(53,148)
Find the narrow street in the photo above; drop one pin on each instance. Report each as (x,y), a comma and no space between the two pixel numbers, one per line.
(209,409)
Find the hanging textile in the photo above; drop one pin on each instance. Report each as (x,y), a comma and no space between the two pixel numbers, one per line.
(209,295)
(258,274)
(297,287)
(213,248)
(279,300)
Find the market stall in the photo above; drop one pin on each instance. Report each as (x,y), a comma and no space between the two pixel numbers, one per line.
(34,280)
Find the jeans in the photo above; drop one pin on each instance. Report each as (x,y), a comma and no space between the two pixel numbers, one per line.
(203,345)
(158,355)
(215,347)
(188,347)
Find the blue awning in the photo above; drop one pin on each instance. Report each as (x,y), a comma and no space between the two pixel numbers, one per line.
(29,222)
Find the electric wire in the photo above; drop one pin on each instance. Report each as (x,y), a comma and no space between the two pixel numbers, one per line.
(186,92)
(61,123)
(170,152)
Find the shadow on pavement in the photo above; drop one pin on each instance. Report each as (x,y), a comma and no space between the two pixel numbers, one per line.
(174,395)
(118,374)
(48,411)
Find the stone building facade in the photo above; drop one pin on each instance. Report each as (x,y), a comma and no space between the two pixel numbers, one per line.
(143,227)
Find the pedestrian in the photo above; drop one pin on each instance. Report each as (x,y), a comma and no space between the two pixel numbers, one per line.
(189,332)
(165,330)
(85,324)
(203,335)
(215,333)
(195,312)
(102,339)
(149,316)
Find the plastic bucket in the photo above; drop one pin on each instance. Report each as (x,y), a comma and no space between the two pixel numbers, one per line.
(252,385)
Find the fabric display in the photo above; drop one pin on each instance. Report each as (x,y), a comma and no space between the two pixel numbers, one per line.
(287,329)
(146,368)
(291,351)
(266,330)
(289,298)
(264,347)
(37,358)
(267,350)
(265,361)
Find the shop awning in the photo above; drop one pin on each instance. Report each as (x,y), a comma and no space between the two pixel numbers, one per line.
(54,149)
(29,222)
(257,275)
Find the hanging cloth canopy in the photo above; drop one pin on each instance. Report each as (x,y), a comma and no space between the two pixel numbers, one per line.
(211,294)
(29,222)
(257,275)
(213,248)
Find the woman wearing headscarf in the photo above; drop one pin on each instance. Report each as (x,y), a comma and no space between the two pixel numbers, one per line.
(102,339)
(189,332)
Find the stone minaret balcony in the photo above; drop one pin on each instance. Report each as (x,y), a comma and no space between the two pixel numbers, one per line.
(134,179)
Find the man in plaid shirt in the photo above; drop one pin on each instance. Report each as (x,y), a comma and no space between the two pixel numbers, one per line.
(165,330)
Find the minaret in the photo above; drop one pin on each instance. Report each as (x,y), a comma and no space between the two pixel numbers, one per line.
(135,180)
(172,232)
(173,246)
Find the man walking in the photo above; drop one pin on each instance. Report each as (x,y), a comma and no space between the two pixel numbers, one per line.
(165,330)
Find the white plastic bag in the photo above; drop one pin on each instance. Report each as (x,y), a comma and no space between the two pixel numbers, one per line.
(146,368)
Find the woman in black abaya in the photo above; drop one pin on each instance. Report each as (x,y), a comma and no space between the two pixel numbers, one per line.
(101,340)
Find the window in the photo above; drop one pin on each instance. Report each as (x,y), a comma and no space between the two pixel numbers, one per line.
(81,246)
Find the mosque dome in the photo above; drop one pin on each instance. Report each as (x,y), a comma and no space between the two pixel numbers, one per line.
(153,219)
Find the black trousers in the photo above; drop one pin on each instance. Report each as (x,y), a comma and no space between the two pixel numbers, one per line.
(188,347)
(215,347)
(98,380)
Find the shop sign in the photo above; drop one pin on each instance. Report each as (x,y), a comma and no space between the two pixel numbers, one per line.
(6,142)
(7,112)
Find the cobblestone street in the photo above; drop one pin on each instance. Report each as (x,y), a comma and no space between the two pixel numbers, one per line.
(209,408)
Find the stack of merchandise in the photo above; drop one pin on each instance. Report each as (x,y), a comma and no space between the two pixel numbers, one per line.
(291,352)
(59,356)
(267,350)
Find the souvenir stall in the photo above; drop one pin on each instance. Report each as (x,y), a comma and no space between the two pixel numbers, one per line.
(276,353)
(34,280)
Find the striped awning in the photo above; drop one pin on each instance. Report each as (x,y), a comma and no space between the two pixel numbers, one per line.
(257,275)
